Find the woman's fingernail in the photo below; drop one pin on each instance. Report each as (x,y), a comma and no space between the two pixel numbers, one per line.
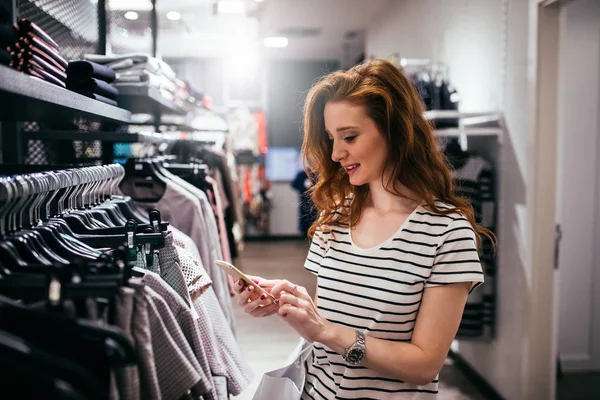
(240,283)
(250,288)
(263,296)
(255,281)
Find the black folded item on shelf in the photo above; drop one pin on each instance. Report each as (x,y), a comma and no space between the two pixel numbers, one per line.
(95,86)
(24,26)
(40,73)
(81,70)
(8,36)
(4,57)
(30,58)
(100,98)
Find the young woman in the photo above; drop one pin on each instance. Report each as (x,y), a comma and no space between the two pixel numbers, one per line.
(394,251)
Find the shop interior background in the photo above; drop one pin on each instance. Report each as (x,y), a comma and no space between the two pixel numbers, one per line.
(252,56)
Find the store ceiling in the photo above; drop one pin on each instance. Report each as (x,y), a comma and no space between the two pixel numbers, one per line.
(316,29)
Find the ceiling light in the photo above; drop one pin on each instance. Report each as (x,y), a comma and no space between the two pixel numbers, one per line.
(276,41)
(132,15)
(173,16)
(230,7)
(123,5)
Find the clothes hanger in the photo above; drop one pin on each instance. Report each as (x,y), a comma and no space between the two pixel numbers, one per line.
(36,373)
(144,174)
(28,248)
(49,232)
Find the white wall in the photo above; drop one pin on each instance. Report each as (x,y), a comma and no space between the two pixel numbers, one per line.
(457,32)
(578,177)
(462,33)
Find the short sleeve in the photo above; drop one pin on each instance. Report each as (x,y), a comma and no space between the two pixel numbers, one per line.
(316,253)
(456,258)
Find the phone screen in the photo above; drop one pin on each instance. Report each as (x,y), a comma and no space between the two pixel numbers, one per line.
(236,273)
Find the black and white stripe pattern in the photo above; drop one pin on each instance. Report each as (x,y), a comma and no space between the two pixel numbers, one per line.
(379,290)
(475,182)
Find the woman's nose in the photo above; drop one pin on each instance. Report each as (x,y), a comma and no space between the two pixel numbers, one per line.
(337,153)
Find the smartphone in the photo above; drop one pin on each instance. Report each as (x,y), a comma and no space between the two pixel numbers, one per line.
(237,274)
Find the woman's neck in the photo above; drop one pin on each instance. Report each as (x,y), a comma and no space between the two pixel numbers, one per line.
(382,200)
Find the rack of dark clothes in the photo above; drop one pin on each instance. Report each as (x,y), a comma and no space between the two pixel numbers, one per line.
(27,48)
(101,301)
(473,178)
(433,85)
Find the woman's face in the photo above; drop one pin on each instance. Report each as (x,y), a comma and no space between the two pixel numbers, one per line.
(357,143)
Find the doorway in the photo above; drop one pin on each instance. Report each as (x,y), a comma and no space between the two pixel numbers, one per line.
(567,144)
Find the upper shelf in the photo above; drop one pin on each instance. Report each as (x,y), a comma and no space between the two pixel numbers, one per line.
(146,100)
(25,98)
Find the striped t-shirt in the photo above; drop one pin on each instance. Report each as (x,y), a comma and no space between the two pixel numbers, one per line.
(379,290)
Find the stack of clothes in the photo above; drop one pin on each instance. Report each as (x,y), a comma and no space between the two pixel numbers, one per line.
(138,69)
(31,50)
(92,80)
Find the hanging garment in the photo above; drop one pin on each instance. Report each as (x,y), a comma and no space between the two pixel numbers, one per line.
(473,178)
(128,381)
(187,208)
(187,322)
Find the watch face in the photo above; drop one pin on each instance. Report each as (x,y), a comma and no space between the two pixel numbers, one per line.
(355,355)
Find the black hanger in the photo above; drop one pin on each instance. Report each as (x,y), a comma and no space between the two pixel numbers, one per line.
(143,173)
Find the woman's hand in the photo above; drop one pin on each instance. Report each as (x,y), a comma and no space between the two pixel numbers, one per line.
(298,309)
(262,306)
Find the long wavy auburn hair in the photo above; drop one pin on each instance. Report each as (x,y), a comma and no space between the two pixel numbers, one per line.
(413,158)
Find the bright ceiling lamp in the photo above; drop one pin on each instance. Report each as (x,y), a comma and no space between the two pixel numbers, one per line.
(173,16)
(230,7)
(122,5)
(276,41)
(131,15)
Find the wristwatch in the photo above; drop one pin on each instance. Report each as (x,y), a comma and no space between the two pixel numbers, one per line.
(356,353)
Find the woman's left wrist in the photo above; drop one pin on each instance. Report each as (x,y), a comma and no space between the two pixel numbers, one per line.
(338,338)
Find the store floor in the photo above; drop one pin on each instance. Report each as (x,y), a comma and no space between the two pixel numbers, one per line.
(267,342)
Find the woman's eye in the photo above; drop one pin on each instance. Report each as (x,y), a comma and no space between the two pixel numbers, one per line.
(349,139)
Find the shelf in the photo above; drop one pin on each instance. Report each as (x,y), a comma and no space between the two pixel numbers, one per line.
(453,132)
(143,137)
(146,100)
(25,98)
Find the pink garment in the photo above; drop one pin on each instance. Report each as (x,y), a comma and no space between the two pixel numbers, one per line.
(220,213)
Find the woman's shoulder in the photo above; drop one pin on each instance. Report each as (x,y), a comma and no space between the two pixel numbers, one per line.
(445,212)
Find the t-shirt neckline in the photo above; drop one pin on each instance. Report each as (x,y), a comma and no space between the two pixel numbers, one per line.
(388,240)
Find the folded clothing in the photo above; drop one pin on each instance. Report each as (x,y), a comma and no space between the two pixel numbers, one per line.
(4,57)
(36,45)
(134,61)
(40,73)
(100,98)
(24,27)
(27,57)
(8,36)
(82,70)
(95,86)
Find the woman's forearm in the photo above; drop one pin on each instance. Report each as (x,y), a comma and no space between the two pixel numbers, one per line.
(404,361)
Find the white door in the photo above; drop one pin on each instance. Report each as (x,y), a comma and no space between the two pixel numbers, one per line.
(578,186)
